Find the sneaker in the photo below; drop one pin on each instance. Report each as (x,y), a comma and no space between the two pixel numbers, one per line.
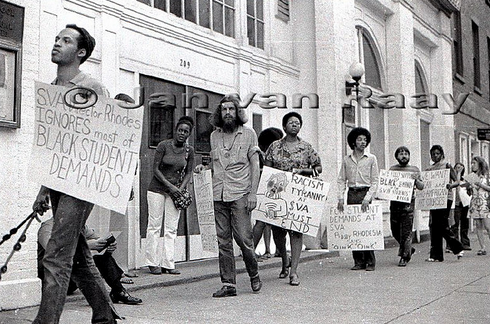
(256,283)
(225,291)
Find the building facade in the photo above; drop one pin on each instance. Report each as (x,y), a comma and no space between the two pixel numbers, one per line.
(471,79)
(191,48)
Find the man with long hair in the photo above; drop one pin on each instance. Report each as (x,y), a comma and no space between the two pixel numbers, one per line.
(235,165)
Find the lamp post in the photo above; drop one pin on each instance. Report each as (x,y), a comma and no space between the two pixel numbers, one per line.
(356,71)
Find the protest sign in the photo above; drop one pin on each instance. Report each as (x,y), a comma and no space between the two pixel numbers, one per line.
(395,185)
(434,195)
(354,230)
(290,201)
(90,153)
(203,190)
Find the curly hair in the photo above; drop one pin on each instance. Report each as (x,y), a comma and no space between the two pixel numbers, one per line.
(401,149)
(286,117)
(437,148)
(217,120)
(355,133)
(186,120)
(482,165)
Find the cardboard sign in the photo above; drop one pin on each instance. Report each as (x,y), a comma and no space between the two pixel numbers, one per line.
(354,230)
(203,190)
(90,153)
(434,195)
(290,201)
(395,185)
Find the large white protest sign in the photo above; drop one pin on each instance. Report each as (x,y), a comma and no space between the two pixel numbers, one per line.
(290,201)
(395,185)
(354,230)
(434,195)
(89,153)
(203,190)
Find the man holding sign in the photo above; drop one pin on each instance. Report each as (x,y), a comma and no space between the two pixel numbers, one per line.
(401,213)
(360,172)
(67,246)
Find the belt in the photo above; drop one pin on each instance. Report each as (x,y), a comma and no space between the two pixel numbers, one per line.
(357,189)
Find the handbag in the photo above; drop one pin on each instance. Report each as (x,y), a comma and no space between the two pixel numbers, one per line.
(185,199)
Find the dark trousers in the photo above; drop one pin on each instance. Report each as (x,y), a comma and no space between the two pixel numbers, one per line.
(439,229)
(234,221)
(401,223)
(461,224)
(110,271)
(361,258)
(68,255)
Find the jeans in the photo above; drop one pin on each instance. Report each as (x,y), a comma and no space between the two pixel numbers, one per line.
(439,228)
(461,224)
(401,222)
(161,253)
(361,258)
(233,220)
(68,255)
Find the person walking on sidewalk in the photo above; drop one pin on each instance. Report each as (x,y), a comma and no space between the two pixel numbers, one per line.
(67,253)
(461,224)
(439,218)
(479,210)
(359,171)
(295,155)
(401,213)
(235,165)
(172,171)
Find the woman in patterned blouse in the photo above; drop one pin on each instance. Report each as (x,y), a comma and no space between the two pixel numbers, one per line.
(294,155)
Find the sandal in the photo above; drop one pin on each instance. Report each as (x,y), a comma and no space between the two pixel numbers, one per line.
(481,252)
(127,281)
(294,280)
(284,273)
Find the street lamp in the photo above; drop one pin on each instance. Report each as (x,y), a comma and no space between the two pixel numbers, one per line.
(356,71)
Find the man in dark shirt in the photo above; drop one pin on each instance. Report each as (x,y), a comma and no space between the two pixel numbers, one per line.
(401,213)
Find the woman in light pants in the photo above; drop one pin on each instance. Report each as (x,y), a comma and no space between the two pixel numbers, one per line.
(172,170)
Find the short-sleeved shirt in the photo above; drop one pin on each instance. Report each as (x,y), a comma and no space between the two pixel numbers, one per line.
(85,80)
(232,178)
(172,165)
(399,205)
(302,156)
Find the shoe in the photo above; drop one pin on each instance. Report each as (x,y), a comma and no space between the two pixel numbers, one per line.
(155,270)
(277,254)
(256,283)
(267,255)
(412,251)
(370,267)
(460,255)
(124,297)
(467,248)
(294,280)
(170,271)
(225,291)
(402,263)
(358,267)
(432,260)
(284,273)
(449,251)
(481,252)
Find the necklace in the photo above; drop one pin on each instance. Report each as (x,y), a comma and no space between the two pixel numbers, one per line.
(228,149)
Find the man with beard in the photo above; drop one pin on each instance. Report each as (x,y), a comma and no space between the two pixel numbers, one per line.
(359,171)
(235,165)
(401,213)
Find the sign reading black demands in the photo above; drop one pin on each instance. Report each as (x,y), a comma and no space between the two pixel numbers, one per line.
(483,133)
(11,22)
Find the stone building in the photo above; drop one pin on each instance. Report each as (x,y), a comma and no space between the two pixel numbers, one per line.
(213,47)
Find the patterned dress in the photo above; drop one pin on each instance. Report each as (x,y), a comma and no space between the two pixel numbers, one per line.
(478,205)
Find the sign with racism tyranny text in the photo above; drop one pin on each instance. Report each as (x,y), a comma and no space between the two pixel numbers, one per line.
(91,153)
(395,185)
(203,190)
(354,230)
(434,195)
(290,201)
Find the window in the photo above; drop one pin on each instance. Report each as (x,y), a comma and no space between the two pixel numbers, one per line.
(255,23)
(283,10)
(476,54)
(420,82)
(218,15)
(457,44)
(372,74)
(463,151)
(257,123)
(424,144)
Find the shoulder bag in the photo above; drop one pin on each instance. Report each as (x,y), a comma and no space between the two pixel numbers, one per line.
(185,199)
